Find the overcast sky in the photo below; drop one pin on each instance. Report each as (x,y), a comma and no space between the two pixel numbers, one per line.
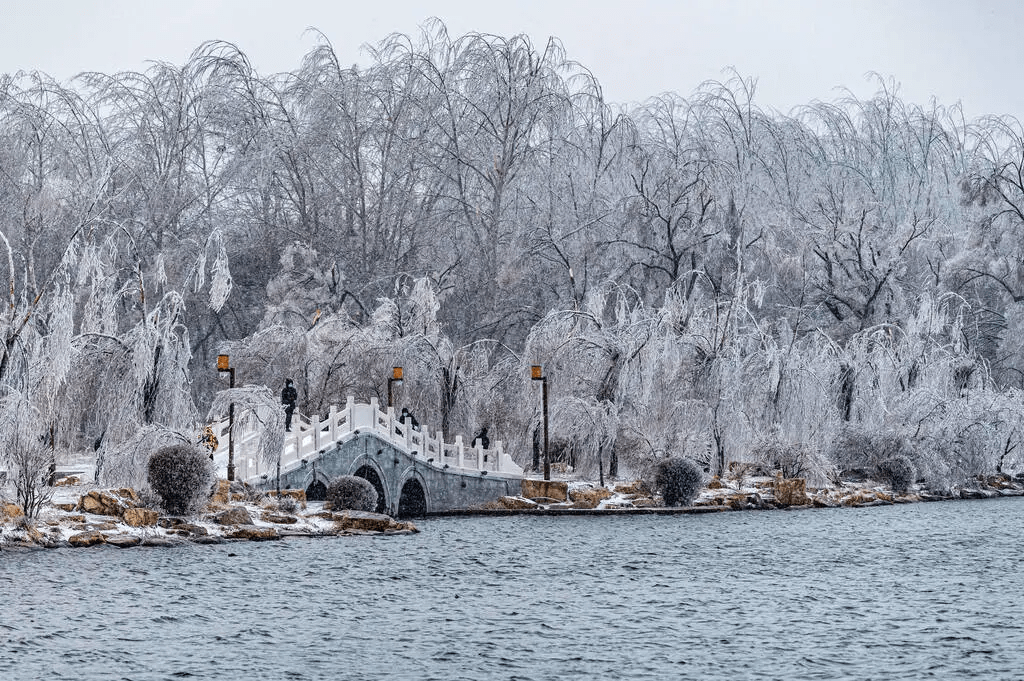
(968,51)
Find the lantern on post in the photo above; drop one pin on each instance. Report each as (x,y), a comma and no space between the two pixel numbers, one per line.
(224,366)
(396,377)
(537,374)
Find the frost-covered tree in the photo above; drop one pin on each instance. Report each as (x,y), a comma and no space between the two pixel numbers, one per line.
(27,452)
(257,411)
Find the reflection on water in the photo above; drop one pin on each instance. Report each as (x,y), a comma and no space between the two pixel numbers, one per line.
(919,591)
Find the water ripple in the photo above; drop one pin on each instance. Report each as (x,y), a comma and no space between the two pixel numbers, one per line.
(921,591)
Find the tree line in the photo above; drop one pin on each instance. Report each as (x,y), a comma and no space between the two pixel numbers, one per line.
(697,276)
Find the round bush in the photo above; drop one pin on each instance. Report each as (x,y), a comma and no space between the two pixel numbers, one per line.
(182,476)
(350,492)
(678,480)
(898,471)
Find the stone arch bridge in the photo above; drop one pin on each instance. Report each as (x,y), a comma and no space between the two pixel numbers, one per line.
(413,473)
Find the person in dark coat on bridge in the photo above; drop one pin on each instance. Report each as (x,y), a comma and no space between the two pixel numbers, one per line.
(288,397)
(485,441)
(407,417)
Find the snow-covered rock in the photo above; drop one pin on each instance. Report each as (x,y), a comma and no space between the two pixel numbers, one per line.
(140,517)
(124,541)
(108,502)
(555,490)
(588,497)
(278,518)
(236,515)
(252,533)
(364,521)
(90,538)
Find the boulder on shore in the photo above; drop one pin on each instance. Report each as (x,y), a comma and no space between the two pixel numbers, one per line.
(140,517)
(124,541)
(278,518)
(588,497)
(236,515)
(108,503)
(364,521)
(299,495)
(253,533)
(637,488)
(220,492)
(90,538)
(557,490)
(505,504)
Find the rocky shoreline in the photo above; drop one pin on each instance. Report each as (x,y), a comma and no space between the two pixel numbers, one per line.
(733,494)
(81,517)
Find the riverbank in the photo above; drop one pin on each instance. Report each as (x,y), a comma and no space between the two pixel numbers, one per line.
(735,493)
(81,516)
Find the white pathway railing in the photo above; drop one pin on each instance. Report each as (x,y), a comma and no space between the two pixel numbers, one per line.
(312,436)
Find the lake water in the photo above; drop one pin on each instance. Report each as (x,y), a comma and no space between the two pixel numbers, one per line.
(905,592)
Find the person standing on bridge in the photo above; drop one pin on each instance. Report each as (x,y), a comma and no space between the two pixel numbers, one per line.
(288,397)
(485,442)
(408,418)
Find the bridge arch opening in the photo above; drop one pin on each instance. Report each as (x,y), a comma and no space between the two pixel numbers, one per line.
(317,491)
(412,502)
(368,473)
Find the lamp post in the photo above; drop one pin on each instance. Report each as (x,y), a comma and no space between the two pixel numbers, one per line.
(396,377)
(224,365)
(537,374)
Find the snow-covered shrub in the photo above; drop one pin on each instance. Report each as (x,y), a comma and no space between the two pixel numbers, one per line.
(898,472)
(794,460)
(677,480)
(182,476)
(247,493)
(350,492)
(790,459)
(31,463)
(26,459)
(287,504)
(861,450)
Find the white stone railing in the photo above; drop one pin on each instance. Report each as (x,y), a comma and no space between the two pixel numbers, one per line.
(312,436)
